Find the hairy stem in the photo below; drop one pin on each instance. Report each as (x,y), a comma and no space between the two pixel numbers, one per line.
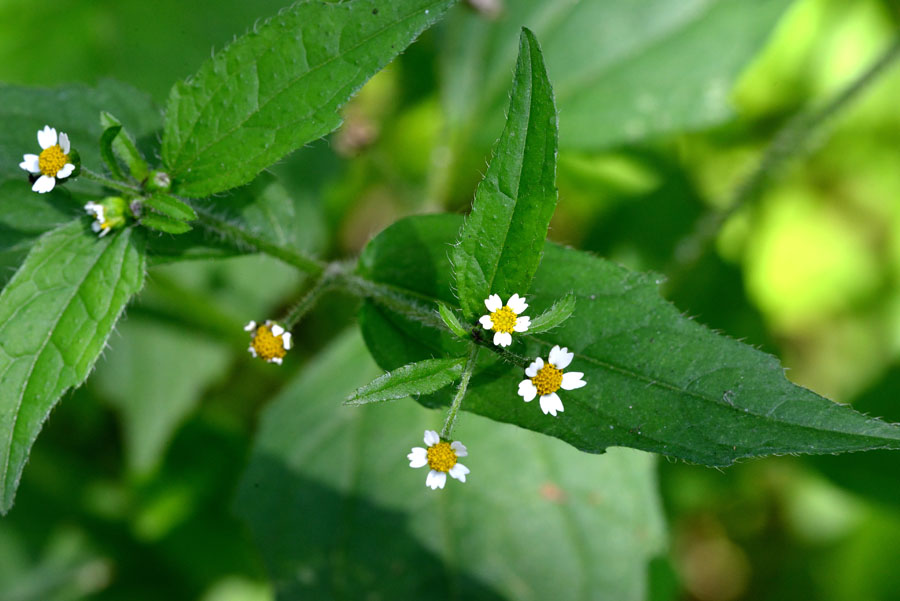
(109,183)
(322,285)
(450,422)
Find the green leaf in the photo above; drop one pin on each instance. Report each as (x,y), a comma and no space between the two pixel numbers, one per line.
(154,377)
(423,377)
(124,147)
(106,151)
(533,512)
(56,315)
(72,109)
(280,87)
(623,71)
(452,321)
(554,316)
(164,224)
(500,244)
(656,380)
(171,207)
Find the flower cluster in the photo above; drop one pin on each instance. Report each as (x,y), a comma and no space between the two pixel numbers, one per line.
(270,342)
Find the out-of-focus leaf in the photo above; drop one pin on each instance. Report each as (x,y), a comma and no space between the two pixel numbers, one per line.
(656,380)
(501,241)
(55,317)
(164,224)
(338,513)
(280,87)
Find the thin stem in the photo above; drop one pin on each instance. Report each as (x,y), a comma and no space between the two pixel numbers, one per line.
(255,242)
(309,300)
(109,183)
(789,140)
(450,422)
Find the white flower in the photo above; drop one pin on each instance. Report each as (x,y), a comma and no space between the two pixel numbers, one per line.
(545,380)
(269,341)
(441,457)
(53,163)
(99,225)
(505,319)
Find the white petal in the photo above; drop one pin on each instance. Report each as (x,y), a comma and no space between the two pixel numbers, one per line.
(66,171)
(277,330)
(493,303)
(517,304)
(31,163)
(286,341)
(486,322)
(459,472)
(251,325)
(95,226)
(43,184)
(522,324)
(105,231)
(251,350)
(560,357)
(459,448)
(572,380)
(527,390)
(277,360)
(505,338)
(418,457)
(47,137)
(533,369)
(64,142)
(436,479)
(551,403)
(431,438)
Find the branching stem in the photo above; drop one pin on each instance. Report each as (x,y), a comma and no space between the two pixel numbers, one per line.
(450,421)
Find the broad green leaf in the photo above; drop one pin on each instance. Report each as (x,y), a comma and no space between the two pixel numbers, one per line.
(452,321)
(73,109)
(500,244)
(56,315)
(154,375)
(124,147)
(535,519)
(280,87)
(171,207)
(623,71)
(554,316)
(423,377)
(656,380)
(164,224)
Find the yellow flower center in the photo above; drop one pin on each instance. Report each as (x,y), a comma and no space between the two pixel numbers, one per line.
(267,345)
(504,320)
(52,160)
(441,457)
(548,380)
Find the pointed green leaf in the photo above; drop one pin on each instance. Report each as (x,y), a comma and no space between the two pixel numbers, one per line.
(171,207)
(164,224)
(124,147)
(107,153)
(656,380)
(452,321)
(280,87)
(554,316)
(414,379)
(56,315)
(500,244)
(532,514)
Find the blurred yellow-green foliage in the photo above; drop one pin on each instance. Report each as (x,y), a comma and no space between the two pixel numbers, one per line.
(809,270)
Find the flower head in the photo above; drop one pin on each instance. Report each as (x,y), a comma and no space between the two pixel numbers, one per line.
(546,379)
(505,319)
(54,162)
(442,457)
(108,214)
(269,341)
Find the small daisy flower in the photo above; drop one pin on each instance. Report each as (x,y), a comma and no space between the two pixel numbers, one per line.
(108,214)
(269,341)
(545,380)
(441,457)
(53,163)
(505,319)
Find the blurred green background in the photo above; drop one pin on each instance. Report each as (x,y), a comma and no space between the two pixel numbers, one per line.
(130,490)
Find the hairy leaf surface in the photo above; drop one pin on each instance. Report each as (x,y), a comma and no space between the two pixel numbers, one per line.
(416,378)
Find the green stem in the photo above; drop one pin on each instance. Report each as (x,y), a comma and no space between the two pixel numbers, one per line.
(109,183)
(789,140)
(213,222)
(450,422)
(309,300)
